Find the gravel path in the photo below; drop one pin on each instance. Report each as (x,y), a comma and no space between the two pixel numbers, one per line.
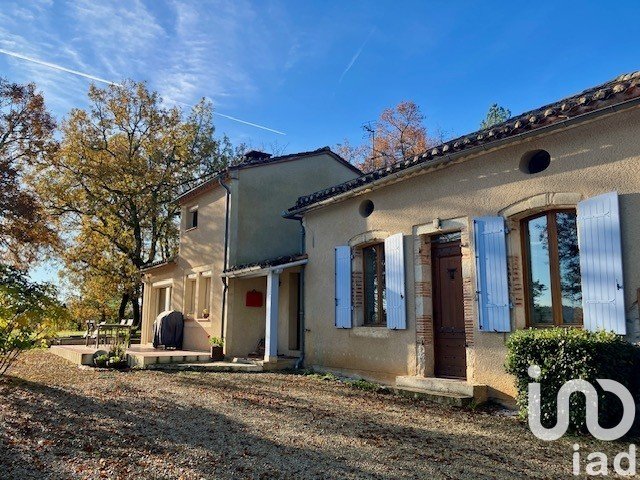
(60,421)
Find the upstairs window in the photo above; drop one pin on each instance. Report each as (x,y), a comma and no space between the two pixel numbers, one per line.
(192,218)
(552,264)
(373,270)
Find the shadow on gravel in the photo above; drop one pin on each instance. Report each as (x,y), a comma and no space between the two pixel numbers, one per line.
(69,425)
(344,433)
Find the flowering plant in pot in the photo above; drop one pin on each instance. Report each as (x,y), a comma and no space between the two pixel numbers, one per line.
(216,349)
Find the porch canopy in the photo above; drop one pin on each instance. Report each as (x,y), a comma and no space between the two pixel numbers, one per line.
(271,269)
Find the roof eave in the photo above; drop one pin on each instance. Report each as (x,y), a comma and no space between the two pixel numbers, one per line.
(258,271)
(159,265)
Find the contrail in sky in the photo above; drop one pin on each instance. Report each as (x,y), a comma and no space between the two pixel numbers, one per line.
(109,82)
(355,57)
(57,67)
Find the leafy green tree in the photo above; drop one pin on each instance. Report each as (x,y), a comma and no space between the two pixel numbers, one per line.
(29,313)
(495,115)
(120,165)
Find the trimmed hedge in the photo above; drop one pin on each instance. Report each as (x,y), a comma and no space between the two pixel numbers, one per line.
(565,354)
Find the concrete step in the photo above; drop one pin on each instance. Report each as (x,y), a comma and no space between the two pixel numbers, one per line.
(242,360)
(442,398)
(207,367)
(145,360)
(443,385)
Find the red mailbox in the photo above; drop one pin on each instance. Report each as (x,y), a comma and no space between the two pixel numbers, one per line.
(254,299)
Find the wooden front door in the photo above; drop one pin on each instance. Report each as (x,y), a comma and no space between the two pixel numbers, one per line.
(448,309)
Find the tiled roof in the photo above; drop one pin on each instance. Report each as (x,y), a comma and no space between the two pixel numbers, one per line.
(272,262)
(157,264)
(254,162)
(617,91)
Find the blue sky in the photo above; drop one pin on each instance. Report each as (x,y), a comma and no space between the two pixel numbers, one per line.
(317,70)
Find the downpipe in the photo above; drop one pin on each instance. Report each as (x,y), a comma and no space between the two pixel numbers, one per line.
(225,281)
(301,311)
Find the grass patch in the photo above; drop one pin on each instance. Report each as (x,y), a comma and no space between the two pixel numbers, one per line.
(70,333)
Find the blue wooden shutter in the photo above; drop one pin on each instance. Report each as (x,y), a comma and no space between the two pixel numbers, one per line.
(491,275)
(343,287)
(601,263)
(394,282)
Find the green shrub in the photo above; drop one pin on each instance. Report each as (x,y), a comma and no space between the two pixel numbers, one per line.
(29,314)
(565,354)
(101,361)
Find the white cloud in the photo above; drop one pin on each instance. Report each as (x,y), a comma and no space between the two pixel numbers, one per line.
(225,50)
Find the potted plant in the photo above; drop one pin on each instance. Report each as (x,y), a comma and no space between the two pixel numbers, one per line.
(205,313)
(216,349)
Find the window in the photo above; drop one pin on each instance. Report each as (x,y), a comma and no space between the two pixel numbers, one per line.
(164,300)
(190,297)
(207,295)
(192,218)
(535,161)
(373,270)
(552,269)
(366,208)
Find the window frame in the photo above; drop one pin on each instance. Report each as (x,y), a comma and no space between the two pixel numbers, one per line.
(192,218)
(554,269)
(206,295)
(381,320)
(191,284)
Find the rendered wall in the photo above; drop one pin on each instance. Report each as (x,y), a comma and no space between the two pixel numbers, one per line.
(266,191)
(587,160)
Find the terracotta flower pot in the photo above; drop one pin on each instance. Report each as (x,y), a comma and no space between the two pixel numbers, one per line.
(216,353)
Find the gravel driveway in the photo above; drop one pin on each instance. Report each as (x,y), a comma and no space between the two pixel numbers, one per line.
(59,421)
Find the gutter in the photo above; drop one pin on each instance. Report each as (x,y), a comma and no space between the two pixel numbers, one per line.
(225,283)
(420,168)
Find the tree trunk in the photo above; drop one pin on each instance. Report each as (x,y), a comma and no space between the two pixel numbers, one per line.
(135,303)
(123,306)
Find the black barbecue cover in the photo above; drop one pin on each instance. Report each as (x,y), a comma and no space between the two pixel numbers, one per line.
(168,330)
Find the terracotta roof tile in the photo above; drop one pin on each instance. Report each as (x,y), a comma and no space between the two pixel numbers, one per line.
(622,88)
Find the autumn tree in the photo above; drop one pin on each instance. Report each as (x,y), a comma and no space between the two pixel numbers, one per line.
(26,137)
(120,165)
(495,115)
(398,133)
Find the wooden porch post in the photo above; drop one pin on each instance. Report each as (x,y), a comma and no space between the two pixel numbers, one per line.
(271,330)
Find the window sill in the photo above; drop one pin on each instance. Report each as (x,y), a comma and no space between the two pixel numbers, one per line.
(190,229)
(370,332)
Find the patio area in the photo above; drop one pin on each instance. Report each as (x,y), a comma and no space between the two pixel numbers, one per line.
(137,355)
(142,356)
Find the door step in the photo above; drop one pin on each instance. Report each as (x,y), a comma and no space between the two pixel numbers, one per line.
(443,386)
(443,398)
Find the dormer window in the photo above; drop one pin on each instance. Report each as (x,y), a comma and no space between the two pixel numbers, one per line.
(192,218)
